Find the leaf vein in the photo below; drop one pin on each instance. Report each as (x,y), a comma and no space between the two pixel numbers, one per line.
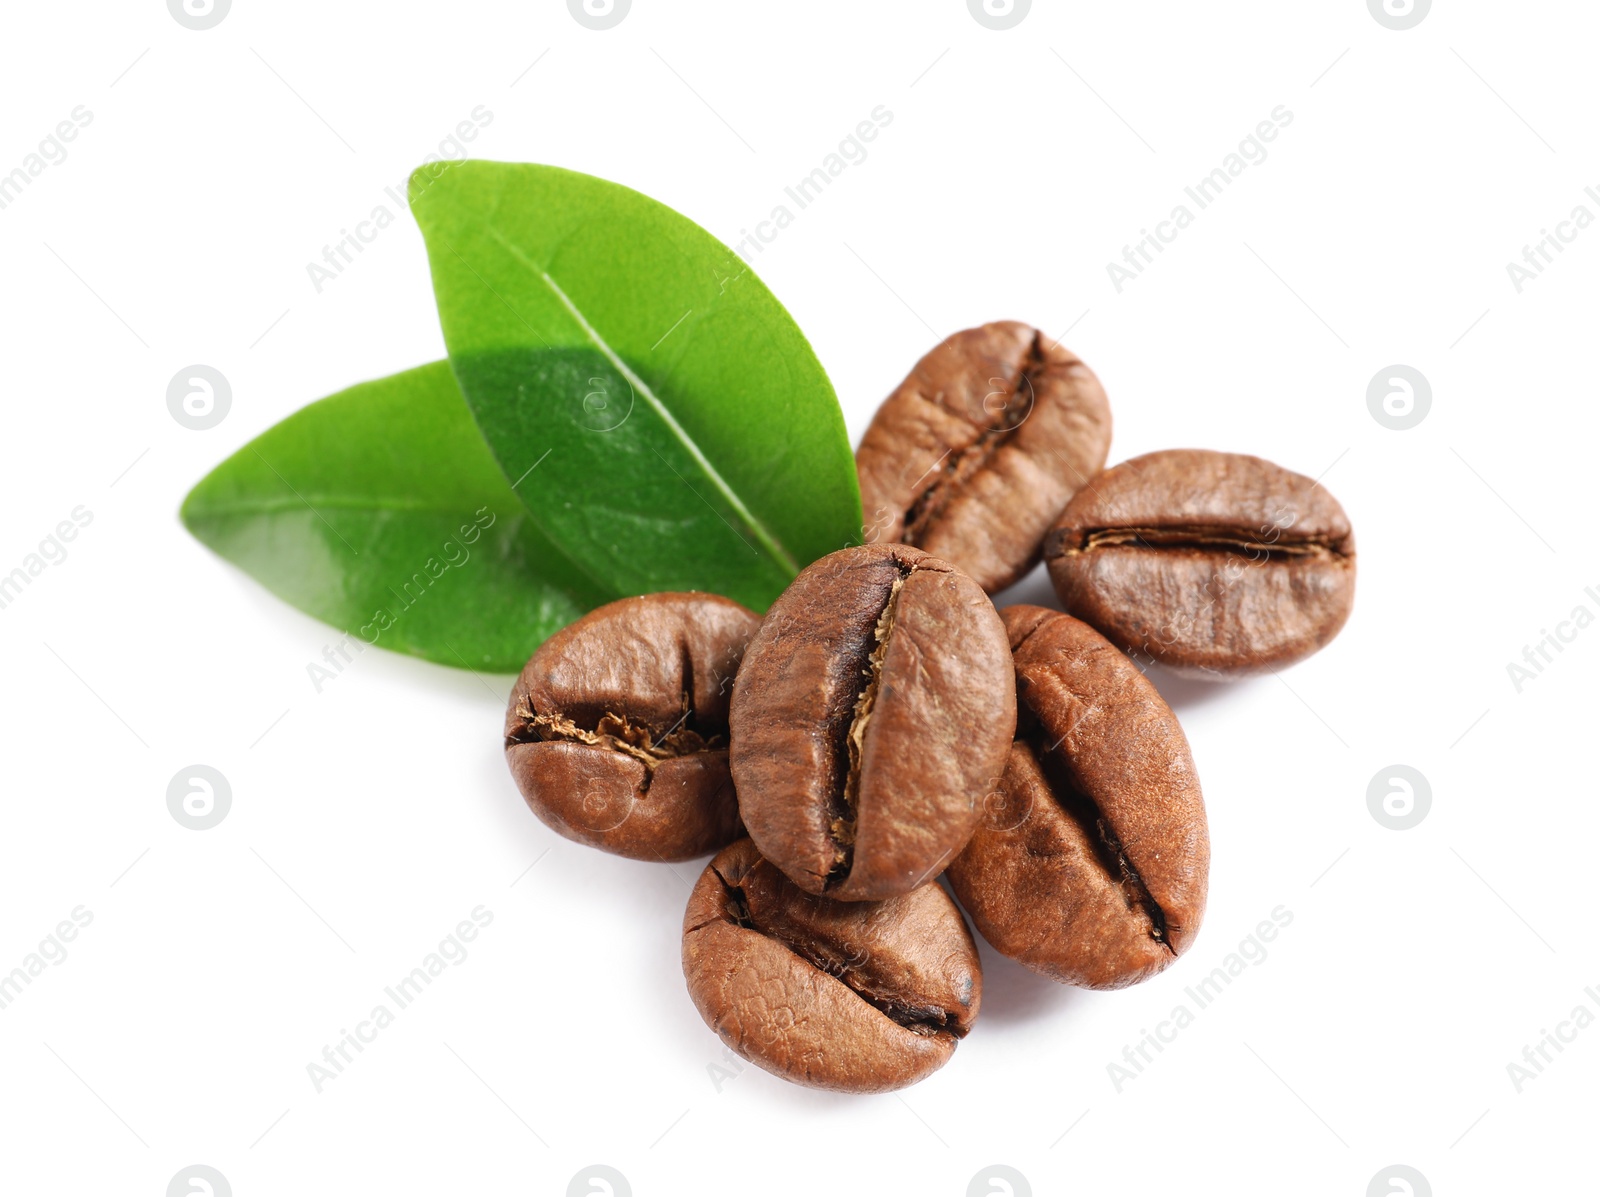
(756,526)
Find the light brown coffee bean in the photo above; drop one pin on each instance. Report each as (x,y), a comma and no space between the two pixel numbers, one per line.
(872,707)
(617,729)
(977,451)
(861,997)
(1217,565)
(1091,862)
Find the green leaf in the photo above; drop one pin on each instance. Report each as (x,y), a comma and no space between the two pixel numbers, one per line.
(656,408)
(380,511)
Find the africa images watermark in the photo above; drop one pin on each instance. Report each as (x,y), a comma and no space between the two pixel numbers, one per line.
(52,950)
(1543,652)
(732,1065)
(1252,151)
(339,256)
(199,797)
(1251,950)
(852,151)
(52,550)
(1539,256)
(199,397)
(199,15)
(52,151)
(453,554)
(1537,1055)
(452,950)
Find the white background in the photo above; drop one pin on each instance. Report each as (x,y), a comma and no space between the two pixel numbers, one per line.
(369,819)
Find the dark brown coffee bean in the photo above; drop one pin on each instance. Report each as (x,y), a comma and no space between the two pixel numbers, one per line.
(1091,861)
(861,997)
(977,451)
(872,708)
(617,730)
(1217,565)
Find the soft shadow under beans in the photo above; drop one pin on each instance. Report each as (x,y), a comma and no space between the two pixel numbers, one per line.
(1187,693)
(1013,995)
(1035,590)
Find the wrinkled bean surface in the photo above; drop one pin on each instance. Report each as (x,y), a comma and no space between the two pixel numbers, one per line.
(977,451)
(1091,861)
(617,729)
(1217,565)
(872,708)
(855,996)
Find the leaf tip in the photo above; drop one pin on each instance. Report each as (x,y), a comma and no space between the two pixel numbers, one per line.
(189,511)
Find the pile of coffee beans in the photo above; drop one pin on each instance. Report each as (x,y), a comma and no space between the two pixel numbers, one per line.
(884,724)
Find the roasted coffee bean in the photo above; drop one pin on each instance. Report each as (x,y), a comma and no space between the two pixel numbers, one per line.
(1090,863)
(977,451)
(1215,564)
(617,731)
(861,997)
(872,708)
